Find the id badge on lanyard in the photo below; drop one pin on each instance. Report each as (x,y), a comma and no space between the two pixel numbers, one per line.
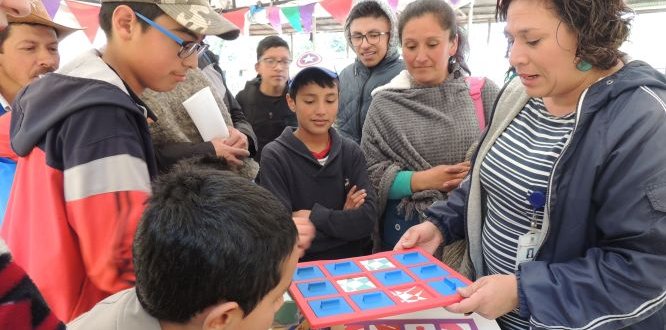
(528,242)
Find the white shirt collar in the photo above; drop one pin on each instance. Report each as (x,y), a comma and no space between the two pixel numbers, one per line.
(3,102)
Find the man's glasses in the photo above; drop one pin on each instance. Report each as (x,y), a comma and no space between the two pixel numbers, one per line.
(187,48)
(371,37)
(273,62)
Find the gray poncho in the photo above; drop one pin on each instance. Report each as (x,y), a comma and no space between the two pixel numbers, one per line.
(411,128)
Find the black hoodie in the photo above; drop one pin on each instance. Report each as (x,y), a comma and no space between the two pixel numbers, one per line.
(291,172)
(268,115)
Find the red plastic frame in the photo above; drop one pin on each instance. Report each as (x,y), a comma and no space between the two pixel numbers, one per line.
(368,315)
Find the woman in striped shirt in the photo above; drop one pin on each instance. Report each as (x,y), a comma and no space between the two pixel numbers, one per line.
(564,209)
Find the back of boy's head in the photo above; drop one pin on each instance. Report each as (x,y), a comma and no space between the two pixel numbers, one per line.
(195,15)
(208,237)
(312,75)
(270,42)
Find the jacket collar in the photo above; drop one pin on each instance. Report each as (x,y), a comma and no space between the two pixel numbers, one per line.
(389,59)
(4,103)
(633,75)
(291,142)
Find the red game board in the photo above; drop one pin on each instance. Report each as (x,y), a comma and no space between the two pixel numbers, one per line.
(332,292)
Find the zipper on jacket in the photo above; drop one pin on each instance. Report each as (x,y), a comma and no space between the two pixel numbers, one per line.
(360,105)
(552,173)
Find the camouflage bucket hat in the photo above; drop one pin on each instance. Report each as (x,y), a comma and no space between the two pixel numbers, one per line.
(195,15)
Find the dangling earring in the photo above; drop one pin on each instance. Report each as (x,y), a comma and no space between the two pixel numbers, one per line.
(583,66)
(453,67)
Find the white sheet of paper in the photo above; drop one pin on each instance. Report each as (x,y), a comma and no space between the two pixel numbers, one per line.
(206,115)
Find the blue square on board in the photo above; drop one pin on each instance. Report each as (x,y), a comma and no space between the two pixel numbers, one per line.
(447,286)
(330,307)
(393,277)
(316,289)
(372,300)
(429,271)
(342,268)
(410,258)
(307,273)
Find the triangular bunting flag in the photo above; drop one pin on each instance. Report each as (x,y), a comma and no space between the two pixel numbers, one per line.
(306,16)
(255,9)
(393,4)
(274,19)
(237,17)
(88,16)
(294,17)
(339,9)
(51,7)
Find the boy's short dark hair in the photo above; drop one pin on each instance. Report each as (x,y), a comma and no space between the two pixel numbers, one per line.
(270,42)
(151,11)
(320,76)
(207,237)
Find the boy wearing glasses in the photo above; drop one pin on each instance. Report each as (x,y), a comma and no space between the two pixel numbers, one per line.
(263,99)
(371,31)
(85,153)
(320,176)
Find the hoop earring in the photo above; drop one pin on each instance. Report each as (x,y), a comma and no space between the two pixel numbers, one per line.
(583,66)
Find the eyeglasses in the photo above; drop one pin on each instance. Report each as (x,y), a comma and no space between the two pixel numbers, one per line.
(371,37)
(273,62)
(187,48)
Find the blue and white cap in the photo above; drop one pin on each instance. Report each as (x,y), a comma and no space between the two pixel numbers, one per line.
(309,62)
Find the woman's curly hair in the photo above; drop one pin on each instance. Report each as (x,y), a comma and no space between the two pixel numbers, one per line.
(601,25)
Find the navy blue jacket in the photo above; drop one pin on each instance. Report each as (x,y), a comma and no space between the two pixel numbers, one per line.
(601,263)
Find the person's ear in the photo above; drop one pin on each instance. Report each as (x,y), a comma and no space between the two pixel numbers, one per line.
(123,22)
(291,102)
(227,315)
(256,67)
(454,45)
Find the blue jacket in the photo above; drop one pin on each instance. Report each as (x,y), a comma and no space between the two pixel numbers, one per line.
(601,263)
(358,81)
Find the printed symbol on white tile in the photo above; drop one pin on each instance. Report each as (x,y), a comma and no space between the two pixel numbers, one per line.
(355,284)
(377,264)
(411,295)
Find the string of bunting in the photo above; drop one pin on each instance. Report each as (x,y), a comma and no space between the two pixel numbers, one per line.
(300,17)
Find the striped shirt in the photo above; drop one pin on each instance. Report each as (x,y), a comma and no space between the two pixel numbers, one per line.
(518,164)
